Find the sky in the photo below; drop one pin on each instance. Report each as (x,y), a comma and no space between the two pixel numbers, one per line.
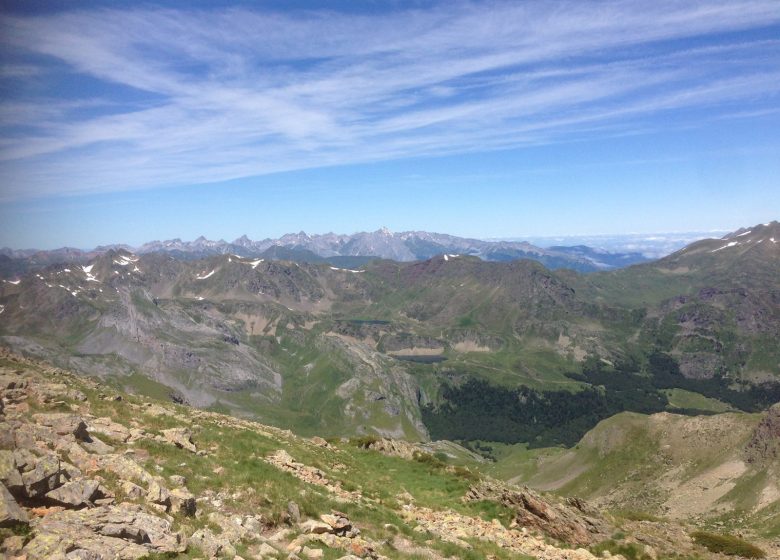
(127,122)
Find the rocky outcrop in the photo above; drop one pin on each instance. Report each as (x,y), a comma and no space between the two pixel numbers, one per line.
(764,445)
(69,512)
(124,531)
(458,529)
(394,448)
(572,522)
(284,461)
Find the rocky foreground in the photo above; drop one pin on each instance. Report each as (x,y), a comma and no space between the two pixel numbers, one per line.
(89,473)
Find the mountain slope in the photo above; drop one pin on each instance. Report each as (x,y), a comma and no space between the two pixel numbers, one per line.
(713,469)
(386,348)
(90,472)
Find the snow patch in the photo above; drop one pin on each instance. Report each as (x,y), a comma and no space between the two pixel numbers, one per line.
(199,298)
(346,269)
(206,275)
(446,258)
(2,308)
(14,282)
(254,264)
(772,239)
(730,244)
(65,270)
(88,272)
(743,233)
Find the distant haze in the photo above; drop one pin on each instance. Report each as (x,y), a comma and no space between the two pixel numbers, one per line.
(651,245)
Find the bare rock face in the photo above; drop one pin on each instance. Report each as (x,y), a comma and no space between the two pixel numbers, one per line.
(765,443)
(571,522)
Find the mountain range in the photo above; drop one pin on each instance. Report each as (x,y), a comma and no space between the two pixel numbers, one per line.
(442,348)
(339,250)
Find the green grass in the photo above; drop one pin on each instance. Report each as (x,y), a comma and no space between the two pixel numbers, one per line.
(680,398)
(630,551)
(516,461)
(727,544)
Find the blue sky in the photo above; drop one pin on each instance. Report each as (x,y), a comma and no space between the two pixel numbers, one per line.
(483,119)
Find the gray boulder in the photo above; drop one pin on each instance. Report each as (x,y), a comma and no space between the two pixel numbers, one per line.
(10,512)
(180,437)
(44,477)
(78,493)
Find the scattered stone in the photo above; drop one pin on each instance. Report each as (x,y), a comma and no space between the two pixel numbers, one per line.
(339,523)
(294,512)
(283,461)
(211,545)
(312,526)
(320,442)
(312,553)
(266,549)
(180,437)
(177,480)
(562,521)
(124,531)
(182,501)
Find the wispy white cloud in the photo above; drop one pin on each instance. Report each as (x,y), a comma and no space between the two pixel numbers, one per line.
(151,97)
